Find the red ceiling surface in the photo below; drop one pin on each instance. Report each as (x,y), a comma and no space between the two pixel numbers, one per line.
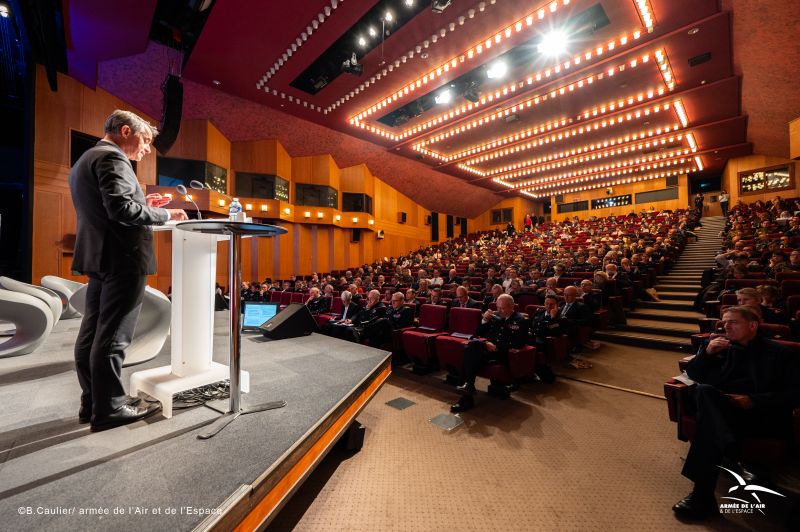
(603,112)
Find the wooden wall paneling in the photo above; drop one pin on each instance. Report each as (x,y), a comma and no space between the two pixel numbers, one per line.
(751,162)
(794,139)
(56,114)
(286,257)
(47,234)
(218,149)
(306,249)
(261,156)
(191,142)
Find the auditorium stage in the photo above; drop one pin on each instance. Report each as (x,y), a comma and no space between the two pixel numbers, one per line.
(155,474)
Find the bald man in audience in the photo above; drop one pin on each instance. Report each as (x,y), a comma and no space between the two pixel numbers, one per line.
(462,299)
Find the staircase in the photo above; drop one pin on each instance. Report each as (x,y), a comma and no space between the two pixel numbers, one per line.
(667,324)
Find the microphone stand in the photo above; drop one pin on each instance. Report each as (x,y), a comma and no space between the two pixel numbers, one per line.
(182,190)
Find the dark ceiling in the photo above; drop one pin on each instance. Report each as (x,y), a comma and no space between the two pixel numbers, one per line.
(630,99)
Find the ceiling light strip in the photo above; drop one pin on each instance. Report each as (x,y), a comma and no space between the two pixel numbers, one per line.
(645,11)
(468,55)
(590,152)
(633,179)
(607,175)
(491,146)
(510,89)
(682,152)
(425,44)
(312,26)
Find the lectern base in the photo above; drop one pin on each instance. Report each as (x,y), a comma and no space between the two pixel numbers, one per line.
(162,384)
(228,417)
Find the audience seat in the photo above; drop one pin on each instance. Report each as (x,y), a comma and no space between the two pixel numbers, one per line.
(449,349)
(336,309)
(503,379)
(418,342)
(753,449)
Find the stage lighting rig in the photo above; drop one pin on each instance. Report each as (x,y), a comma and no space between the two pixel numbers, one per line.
(351,66)
(437,6)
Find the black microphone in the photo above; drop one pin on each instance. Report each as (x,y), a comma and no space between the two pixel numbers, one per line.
(182,190)
(197,185)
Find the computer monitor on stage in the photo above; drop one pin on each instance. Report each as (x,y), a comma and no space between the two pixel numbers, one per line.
(256,313)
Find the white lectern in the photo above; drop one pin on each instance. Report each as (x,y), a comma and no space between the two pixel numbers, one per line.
(194,272)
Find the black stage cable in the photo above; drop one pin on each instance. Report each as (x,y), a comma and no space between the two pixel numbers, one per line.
(200,395)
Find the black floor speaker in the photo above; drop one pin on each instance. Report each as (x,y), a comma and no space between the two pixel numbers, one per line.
(293,321)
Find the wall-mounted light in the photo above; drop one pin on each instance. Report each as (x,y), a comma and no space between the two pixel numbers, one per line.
(355,219)
(320,215)
(248,206)
(338,217)
(264,207)
(287,210)
(371,222)
(221,203)
(307,214)
(168,195)
(188,197)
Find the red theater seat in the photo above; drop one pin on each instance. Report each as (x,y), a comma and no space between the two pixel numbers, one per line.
(521,365)
(449,348)
(418,342)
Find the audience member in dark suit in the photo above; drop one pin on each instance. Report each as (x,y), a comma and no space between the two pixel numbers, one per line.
(545,322)
(114,248)
(316,303)
(504,329)
(462,299)
(497,291)
(436,298)
(397,316)
(574,313)
(747,385)
(337,326)
(453,277)
(592,299)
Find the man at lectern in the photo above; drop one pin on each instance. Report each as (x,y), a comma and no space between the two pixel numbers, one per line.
(114,248)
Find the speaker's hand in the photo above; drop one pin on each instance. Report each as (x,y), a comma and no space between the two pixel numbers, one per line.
(177,214)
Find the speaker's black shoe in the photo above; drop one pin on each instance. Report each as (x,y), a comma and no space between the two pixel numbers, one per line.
(123,415)
(696,506)
(749,476)
(465,403)
(466,388)
(85,414)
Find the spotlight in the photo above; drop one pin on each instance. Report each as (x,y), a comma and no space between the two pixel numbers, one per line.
(372,31)
(409,3)
(497,70)
(3,11)
(437,6)
(362,41)
(473,92)
(351,66)
(554,43)
(388,17)
(443,97)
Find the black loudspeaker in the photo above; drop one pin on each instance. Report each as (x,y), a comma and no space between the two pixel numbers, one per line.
(293,321)
(401,217)
(356,236)
(672,181)
(172,88)
(559,198)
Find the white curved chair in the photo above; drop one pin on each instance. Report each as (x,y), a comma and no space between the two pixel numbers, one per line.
(152,328)
(64,288)
(32,318)
(50,298)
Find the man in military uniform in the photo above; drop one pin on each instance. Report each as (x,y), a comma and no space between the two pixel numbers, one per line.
(370,314)
(316,303)
(503,330)
(545,322)
(396,317)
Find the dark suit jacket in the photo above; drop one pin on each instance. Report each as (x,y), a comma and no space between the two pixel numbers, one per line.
(772,367)
(352,311)
(471,303)
(578,314)
(113,216)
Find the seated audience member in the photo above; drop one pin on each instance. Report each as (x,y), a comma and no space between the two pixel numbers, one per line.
(747,385)
(398,316)
(751,297)
(534,280)
(452,277)
(371,313)
(591,299)
(335,327)
(574,313)
(545,322)
(504,329)
(436,279)
(462,299)
(497,291)
(515,288)
(550,288)
(328,291)
(316,303)
(436,298)
(424,288)
(794,261)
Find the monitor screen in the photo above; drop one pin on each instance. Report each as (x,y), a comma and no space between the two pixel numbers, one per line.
(256,313)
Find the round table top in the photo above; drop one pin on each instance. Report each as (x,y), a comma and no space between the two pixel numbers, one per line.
(222,226)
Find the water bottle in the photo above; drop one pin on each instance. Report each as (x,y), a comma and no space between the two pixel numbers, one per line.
(234,209)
